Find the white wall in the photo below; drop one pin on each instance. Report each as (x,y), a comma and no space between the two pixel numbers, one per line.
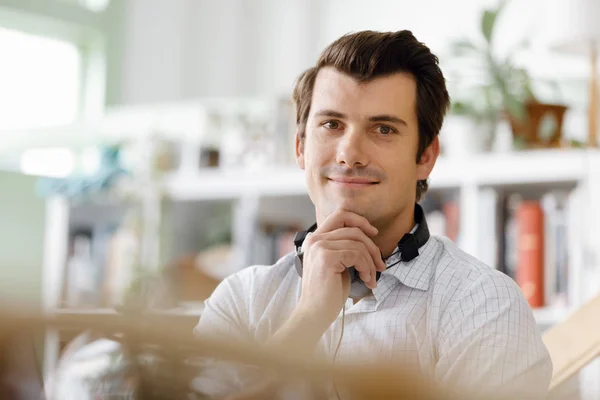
(153,50)
(211,32)
(434,22)
(278,43)
(192,48)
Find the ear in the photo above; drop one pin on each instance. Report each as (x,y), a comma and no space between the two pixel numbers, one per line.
(428,159)
(300,150)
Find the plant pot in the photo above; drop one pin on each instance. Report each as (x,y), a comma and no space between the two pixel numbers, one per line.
(542,126)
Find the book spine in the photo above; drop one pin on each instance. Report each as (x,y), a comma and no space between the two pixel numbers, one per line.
(530,264)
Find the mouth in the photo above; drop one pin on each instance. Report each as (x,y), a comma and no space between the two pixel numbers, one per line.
(350,182)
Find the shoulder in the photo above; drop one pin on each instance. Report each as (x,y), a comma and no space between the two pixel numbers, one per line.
(264,274)
(488,336)
(459,274)
(469,291)
(242,296)
(259,279)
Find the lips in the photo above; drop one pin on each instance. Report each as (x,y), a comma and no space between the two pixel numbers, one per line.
(352,181)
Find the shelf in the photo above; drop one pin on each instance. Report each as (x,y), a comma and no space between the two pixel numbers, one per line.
(230,184)
(548,166)
(532,167)
(183,311)
(179,121)
(68,323)
(539,167)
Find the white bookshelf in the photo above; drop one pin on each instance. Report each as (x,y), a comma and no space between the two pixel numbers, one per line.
(541,170)
(547,167)
(235,184)
(541,167)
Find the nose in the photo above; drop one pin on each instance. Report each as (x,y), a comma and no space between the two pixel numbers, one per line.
(350,149)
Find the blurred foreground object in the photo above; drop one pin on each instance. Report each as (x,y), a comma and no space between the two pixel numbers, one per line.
(147,356)
(574,343)
(20,377)
(152,355)
(581,19)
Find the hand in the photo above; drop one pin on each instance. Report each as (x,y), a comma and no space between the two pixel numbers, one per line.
(343,240)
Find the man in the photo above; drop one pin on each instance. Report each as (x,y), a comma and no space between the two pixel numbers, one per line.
(368,118)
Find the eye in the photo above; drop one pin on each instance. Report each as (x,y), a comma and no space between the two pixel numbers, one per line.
(334,125)
(386,130)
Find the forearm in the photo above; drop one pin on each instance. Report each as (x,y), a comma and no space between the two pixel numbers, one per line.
(301,332)
(298,335)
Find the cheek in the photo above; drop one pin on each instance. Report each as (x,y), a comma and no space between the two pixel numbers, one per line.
(401,167)
(316,154)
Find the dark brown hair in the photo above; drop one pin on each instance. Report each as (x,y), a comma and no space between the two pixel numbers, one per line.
(367,55)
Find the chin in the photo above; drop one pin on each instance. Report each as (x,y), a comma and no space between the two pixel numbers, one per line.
(358,207)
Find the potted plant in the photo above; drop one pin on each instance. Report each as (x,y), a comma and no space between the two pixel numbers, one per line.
(496,88)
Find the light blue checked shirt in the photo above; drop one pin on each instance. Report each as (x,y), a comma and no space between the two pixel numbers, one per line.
(457,320)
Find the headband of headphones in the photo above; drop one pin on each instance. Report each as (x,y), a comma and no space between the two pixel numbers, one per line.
(409,244)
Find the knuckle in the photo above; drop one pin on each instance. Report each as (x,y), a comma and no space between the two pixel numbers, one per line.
(355,231)
(348,258)
(362,247)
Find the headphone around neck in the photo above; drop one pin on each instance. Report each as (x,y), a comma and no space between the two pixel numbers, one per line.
(408,248)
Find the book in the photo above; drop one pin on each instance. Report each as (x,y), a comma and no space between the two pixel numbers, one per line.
(530,251)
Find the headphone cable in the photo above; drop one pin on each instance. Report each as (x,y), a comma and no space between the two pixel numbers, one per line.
(337,348)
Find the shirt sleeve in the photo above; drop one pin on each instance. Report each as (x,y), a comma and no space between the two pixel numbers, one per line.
(490,342)
(225,316)
(225,312)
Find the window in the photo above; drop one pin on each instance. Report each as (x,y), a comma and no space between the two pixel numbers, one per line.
(40,81)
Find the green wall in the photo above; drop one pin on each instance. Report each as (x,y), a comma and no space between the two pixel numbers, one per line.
(22,221)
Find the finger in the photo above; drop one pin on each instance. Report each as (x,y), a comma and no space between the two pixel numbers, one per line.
(341,255)
(360,260)
(342,218)
(354,254)
(355,234)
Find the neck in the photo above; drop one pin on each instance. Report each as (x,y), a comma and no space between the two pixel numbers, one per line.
(391,232)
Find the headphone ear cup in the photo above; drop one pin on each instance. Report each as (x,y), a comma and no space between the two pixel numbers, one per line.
(298,263)
(408,246)
(353,275)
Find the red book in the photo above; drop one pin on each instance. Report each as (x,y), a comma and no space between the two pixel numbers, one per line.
(530,252)
(452,214)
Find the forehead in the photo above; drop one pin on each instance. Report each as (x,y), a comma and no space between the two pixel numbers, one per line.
(390,94)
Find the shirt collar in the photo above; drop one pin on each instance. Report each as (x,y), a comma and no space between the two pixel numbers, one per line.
(414,273)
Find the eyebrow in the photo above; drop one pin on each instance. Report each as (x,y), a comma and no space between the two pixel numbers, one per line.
(330,113)
(376,118)
(388,118)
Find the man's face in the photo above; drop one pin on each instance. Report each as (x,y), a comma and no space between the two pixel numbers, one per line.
(359,152)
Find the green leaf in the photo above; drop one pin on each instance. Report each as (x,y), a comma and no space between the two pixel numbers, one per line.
(487,24)
(514,107)
(463,108)
(464,47)
(488,21)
